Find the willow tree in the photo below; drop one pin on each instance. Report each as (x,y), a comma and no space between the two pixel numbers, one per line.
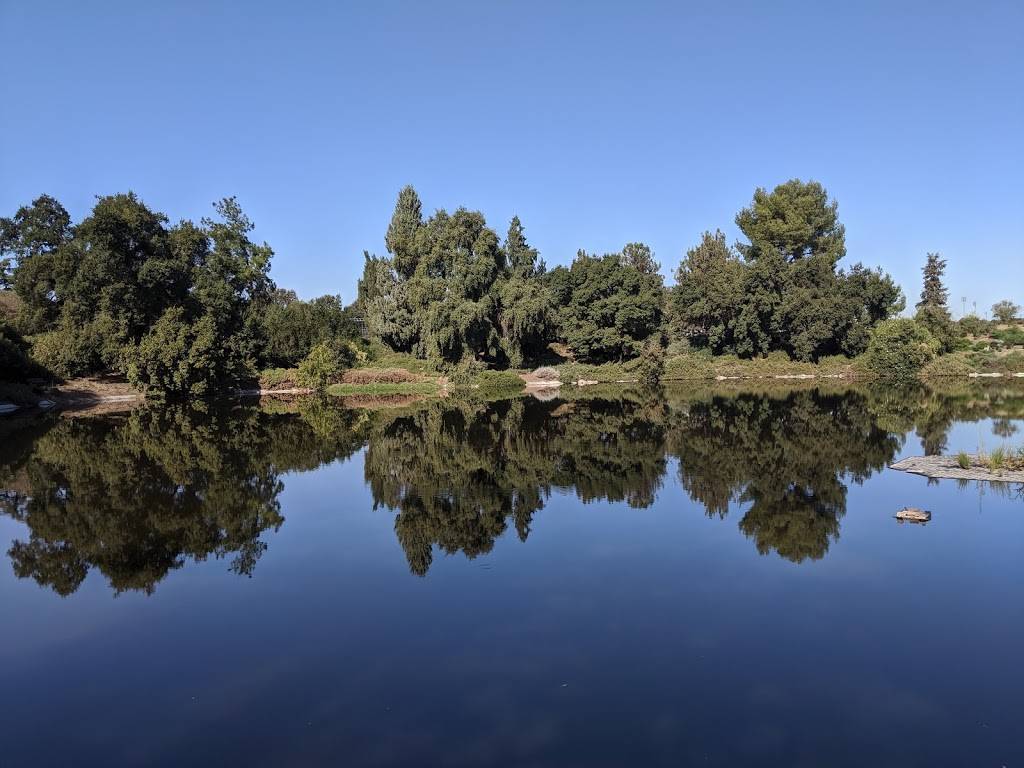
(451,291)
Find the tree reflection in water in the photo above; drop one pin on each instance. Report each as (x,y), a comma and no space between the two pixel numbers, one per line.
(135,497)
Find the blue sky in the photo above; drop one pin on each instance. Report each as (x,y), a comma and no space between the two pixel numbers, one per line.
(596,123)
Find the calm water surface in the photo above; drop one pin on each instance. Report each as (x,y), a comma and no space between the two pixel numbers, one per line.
(695,578)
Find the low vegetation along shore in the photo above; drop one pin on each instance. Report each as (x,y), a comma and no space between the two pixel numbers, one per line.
(189,310)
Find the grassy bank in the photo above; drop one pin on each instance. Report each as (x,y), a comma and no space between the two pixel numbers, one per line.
(383,388)
(702,367)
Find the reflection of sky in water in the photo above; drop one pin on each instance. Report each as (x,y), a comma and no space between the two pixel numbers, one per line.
(614,635)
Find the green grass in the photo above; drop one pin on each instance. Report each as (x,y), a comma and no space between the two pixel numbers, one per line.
(695,366)
(497,384)
(997,458)
(405,388)
(964,460)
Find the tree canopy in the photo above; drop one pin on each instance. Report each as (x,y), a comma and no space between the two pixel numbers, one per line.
(783,289)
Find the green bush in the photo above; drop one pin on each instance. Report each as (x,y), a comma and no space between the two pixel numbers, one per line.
(1011,337)
(651,367)
(15,363)
(972,325)
(694,365)
(499,383)
(900,348)
(178,358)
(320,367)
(78,350)
(955,364)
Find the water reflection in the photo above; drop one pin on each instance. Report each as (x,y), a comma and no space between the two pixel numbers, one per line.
(458,474)
(787,460)
(137,496)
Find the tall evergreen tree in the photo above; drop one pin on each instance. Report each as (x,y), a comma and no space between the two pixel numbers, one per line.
(400,239)
(708,290)
(932,309)
(934,293)
(521,258)
(795,220)
(640,257)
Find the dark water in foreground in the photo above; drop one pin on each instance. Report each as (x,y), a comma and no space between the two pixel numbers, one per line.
(619,580)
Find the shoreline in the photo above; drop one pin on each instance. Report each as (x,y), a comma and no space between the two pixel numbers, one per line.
(947,468)
(102,392)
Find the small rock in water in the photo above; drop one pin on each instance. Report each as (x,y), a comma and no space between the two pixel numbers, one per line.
(913,515)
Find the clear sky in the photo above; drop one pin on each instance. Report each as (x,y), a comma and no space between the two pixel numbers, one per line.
(596,123)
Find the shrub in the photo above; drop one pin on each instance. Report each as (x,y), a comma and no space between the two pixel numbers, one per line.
(972,325)
(15,363)
(955,364)
(499,383)
(546,373)
(319,368)
(997,458)
(1011,337)
(378,376)
(177,357)
(900,348)
(695,365)
(278,378)
(651,366)
(465,373)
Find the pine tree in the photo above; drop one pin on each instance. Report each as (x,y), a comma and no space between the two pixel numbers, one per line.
(521,258)
(932,310)
(640,257)
(934,293)
(401,235)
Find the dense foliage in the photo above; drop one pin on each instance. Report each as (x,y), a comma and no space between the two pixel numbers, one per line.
(181,309)
(900,348)
(451,291)
(782,290)
(933,309)
(1005,311)
(190,309)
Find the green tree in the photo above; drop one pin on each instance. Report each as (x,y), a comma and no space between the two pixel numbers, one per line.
(900,348)
(179,357)
(522,259)
(35,230)
(527,317)
(640,257)
(607,308)
(708,290)
(405,224)
(787,293)
(933,292)
(319,368)
(796,220)
(291,328)
(383,300)
(932,309)
(1005,311)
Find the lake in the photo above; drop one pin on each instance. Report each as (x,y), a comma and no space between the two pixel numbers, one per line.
(700,576)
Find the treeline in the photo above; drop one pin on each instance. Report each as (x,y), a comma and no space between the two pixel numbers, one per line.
(190,309)
(182,309)
(451,290)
